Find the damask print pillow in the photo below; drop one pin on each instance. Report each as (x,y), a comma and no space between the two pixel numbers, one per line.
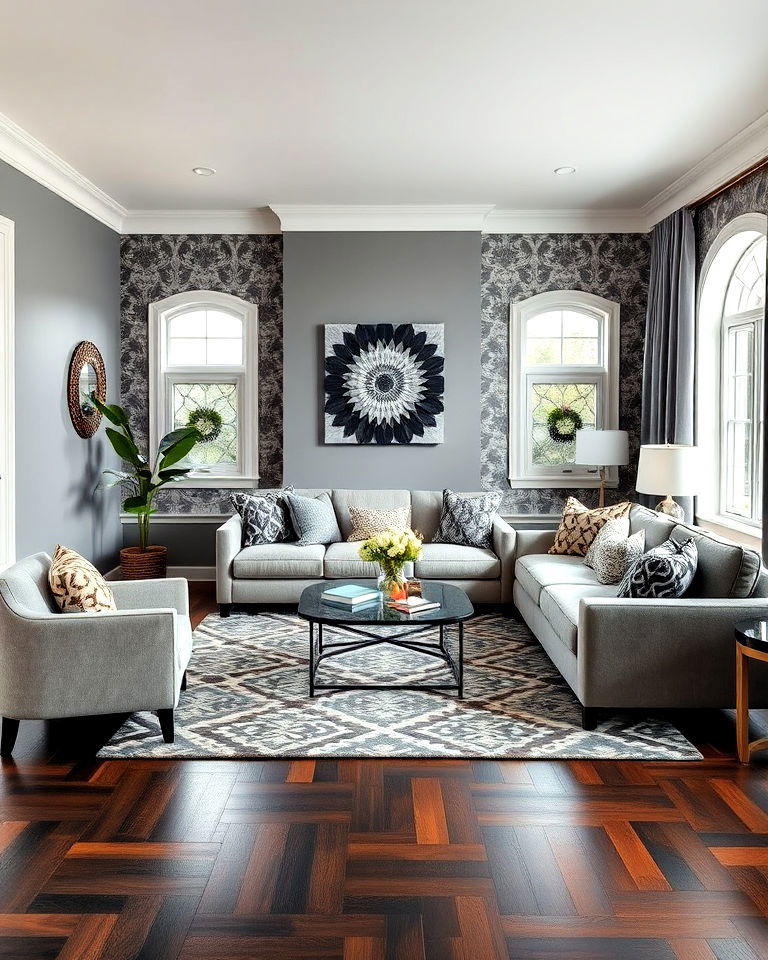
(266,517)
(665,572)
(76,585)
(466,520)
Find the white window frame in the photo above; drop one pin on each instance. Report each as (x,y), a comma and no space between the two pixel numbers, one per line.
(162,377)
(711,373)
(7,397)
(605,374)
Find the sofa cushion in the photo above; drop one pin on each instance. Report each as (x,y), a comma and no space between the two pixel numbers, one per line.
(77,585)
(538,570)
(265,517)
(288,561)
(454,562)
(467,520)
(371,499)
(343,562)
(658,527)
(579,525)
(313,519)
(366,522)
(724,570)
(560,605)
(426,507)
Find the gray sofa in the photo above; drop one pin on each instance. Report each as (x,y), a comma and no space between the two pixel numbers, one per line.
(55,665)
(634,653)
(277,573)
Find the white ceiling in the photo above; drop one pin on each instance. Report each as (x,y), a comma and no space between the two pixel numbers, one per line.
(383,101)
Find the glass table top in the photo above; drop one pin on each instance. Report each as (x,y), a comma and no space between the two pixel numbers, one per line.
(753,633)
(454,606)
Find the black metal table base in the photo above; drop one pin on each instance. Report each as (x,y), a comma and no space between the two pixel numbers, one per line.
(403,640)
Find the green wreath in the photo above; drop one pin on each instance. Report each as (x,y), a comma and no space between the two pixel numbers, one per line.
(207,422)
(563,424)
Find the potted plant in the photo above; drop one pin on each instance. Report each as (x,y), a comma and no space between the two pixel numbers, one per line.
(143,481)
(391,549)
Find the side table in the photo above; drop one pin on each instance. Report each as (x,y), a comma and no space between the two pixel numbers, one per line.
(751,644)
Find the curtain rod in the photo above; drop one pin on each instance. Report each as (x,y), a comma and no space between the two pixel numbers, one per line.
(759,165)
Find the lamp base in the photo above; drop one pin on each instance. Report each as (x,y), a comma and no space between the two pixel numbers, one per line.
(670,508)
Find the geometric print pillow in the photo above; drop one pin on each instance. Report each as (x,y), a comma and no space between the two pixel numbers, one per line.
(612,550)
(467,520)
(77,585)
(663,572)
(579,526)
(265,517)
(367,522)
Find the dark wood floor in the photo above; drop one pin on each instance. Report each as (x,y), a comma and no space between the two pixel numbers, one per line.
(380,860)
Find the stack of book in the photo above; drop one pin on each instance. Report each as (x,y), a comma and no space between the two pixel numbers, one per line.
(350,596)
(414,605)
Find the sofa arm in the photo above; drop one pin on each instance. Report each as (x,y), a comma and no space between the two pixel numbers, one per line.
(84,664)
(229,541)
(533,541)
(504,539)
(147,594)
(660,653)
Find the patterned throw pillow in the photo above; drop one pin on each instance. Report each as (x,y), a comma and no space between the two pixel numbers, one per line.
(664,572)
(467,520)
(365,522)
(579,526)
(265,516)
(314,519)
(77,585)
(613,550)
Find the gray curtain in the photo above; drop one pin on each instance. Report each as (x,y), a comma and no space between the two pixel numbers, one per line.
(670,337)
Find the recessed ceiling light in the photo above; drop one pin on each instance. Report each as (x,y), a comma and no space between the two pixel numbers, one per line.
(203,171)
(564,171)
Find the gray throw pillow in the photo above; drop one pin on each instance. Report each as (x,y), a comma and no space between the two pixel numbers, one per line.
(613,550)
(467,521)
(665,571)
(314,519)
(265,517)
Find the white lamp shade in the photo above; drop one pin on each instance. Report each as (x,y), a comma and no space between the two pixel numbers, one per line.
(602,448)
(669,469)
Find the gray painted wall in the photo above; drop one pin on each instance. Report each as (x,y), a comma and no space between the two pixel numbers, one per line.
(381,278)
(67,290)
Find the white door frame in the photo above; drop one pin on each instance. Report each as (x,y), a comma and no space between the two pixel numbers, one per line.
(7,398)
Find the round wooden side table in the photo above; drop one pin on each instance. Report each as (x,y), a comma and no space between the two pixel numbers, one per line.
(751,644)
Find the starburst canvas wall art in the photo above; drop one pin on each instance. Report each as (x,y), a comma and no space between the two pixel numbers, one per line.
(384,383)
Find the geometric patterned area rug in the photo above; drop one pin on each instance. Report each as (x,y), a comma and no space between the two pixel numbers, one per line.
(248,696)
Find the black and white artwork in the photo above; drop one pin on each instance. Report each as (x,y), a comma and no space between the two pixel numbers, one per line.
(384,383)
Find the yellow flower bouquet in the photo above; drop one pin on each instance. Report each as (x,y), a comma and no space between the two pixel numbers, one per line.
(391,549)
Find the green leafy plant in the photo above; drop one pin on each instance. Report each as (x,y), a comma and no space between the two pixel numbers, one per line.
(143,480)
(207,421)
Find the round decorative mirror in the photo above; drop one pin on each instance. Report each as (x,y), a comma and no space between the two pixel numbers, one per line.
(87,375)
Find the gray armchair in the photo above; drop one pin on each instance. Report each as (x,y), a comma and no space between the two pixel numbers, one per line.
(55,665)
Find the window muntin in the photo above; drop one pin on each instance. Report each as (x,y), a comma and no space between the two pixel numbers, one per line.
(204,354)
(563,352)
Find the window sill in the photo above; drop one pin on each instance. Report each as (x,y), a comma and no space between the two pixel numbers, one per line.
(560,482)
(211,480)
(731,529)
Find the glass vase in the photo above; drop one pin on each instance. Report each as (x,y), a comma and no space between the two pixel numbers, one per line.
(392,583)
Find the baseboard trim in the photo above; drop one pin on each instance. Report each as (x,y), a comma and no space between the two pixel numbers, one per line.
(188,573)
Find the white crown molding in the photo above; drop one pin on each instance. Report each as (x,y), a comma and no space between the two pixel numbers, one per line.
(500,220)
(379,217)
(25,153)
(727,161)
(258,220)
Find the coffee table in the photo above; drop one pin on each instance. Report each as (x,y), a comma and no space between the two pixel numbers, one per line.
(454,609)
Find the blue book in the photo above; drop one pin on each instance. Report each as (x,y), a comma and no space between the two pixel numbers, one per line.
(354,607)
(349,594)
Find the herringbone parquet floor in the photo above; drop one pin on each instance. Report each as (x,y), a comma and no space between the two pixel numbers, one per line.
(381,860)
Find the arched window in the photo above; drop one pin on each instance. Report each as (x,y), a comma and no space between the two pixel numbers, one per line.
(204,356)
(730,338)
(563,353)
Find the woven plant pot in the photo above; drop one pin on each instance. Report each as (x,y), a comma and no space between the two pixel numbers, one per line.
(138,564)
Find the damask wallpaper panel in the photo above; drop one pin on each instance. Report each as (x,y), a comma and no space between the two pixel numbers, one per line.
(248,266)
(749,196)
(517,266)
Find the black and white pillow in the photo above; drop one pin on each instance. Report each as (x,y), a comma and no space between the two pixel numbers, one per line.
(467,520)
(665,571)
(265,516)
(613,550)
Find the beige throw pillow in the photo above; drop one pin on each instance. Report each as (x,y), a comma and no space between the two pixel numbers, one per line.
(367,522)
(613,550)
(579,526)
(77,585)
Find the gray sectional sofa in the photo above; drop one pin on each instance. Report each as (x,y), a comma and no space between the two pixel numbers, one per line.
(626,653)
(277,573)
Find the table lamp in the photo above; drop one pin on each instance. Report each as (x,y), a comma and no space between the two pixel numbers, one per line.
(602,448)
(671,469)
